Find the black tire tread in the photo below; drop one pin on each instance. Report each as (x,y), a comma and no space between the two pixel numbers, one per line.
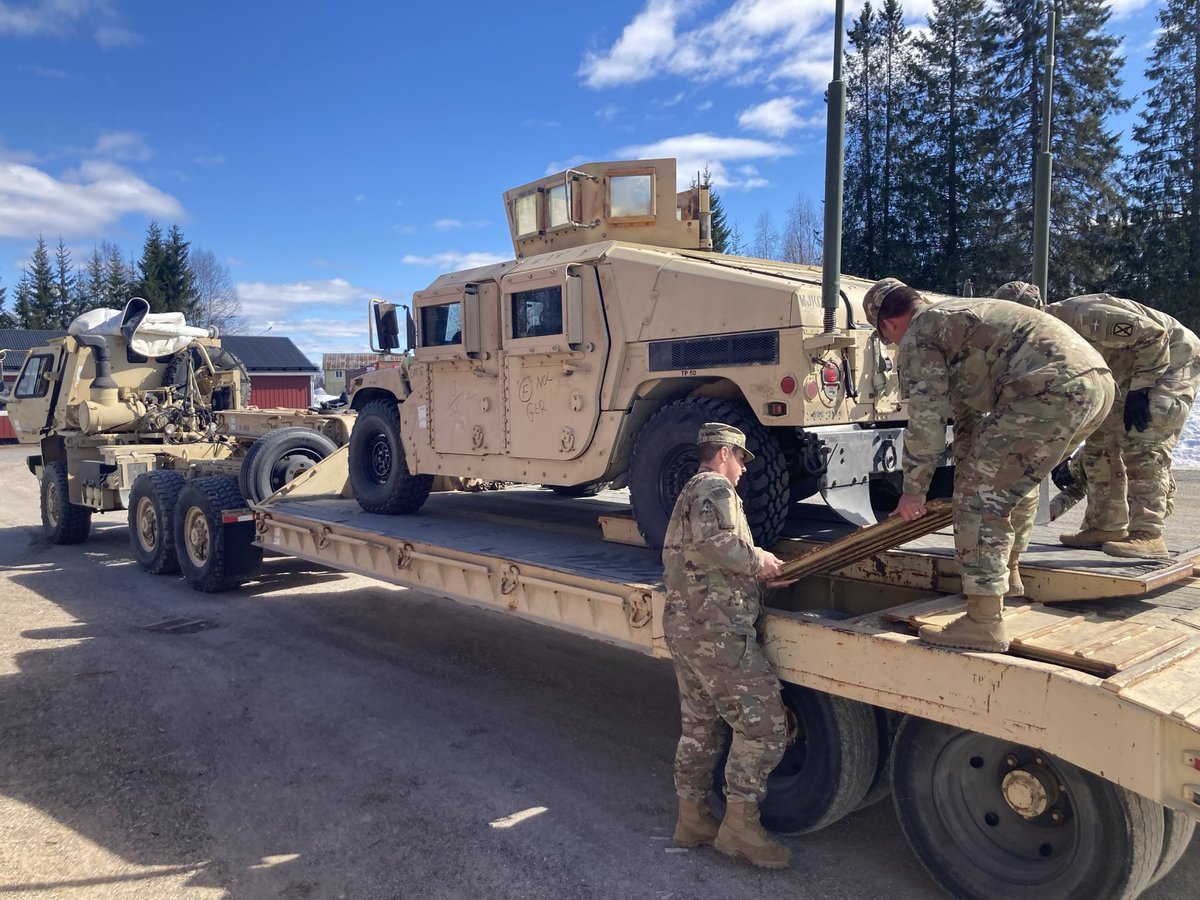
(213,494)
(253,480)
(409,492)
(74,522)
(163,486)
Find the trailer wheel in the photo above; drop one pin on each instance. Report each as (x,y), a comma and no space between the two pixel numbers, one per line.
(664,458)
(276,458)
(826,770)
(207,561)
(887,723)
(378,468)
(152,520)
(1179,828)
(63,522)
(588,489)
(994,819)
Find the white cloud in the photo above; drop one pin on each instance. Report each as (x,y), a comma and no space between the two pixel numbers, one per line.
(454,260)
(124,145)
(65,19)
(276,305)
(650,37)
(775,117)
(1122,8)
(215,159)
(696,152)
(82,203)
(451,224)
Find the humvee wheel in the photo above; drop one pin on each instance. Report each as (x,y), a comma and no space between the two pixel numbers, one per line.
(990,818)
(378,468)
(204,558)
(62,521)
(664,458)
(588,489)
(276,458)
(152,520)
(828,767)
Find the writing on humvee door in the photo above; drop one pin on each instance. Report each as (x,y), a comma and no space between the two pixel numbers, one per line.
(459,337)
(555,345)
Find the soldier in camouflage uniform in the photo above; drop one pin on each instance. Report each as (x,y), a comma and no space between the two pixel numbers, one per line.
(1040,389)
(1021,292)
(712,570)
(1070,478)
(1127,462)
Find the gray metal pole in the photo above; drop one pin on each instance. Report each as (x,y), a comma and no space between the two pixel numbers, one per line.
(1045,166)
(835,159)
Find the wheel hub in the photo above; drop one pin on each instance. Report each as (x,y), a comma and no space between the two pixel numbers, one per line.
(1025,793)
(147,524)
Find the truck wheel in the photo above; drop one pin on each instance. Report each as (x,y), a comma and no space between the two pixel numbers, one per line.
(62,521)
(1179,828)
(590,489)
(828,767)
(664,458)
(276,458)
(207,562)
(990,818)
(152,520)
(378,468)
(887,722)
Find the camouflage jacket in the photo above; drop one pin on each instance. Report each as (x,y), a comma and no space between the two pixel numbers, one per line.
(710,563)
(1143,347)
(970,352)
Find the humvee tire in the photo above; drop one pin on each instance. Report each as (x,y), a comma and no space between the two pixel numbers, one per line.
(664,458)
(276,458)
(62,521)
(207,561)
(1093,838)
(378,468)
(588,489)
(152,501)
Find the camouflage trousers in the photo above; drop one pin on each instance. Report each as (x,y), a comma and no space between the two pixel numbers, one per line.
(1010,452)
(1077,490)
(1128,473)
(724,678)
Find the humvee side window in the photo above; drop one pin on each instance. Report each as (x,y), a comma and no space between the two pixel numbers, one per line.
(558,208)
(525,213)
(30,382)
(631,196)
(537,313)
(441,325)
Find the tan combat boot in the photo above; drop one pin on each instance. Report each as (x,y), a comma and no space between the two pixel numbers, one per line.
(1091,538)
(695,826)
(1016,587)
(1139,545)
(982,628)
(742,837)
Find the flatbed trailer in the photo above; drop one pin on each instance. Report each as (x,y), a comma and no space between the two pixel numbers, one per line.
(1068,767)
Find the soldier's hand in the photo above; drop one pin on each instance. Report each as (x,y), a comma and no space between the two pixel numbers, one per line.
(770,566)
(910,507)
(1137,410)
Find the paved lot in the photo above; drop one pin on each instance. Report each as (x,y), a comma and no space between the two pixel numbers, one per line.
(328,737)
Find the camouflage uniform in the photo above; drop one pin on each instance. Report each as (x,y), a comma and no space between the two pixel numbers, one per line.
(1037,390)
(713,604)
(1128,473)
(1021,292)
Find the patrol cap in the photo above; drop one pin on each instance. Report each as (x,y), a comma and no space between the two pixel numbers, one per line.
(874,298)
(1021,292)
(720,433)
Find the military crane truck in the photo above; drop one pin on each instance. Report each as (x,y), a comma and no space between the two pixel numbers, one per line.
(594,356)
(130,407)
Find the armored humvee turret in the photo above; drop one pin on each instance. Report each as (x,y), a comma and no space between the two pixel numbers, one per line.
(596,353)
(129,407)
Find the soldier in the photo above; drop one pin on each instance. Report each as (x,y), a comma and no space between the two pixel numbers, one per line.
(1039,389)
(712,572)
(1127,462)
(1021,292)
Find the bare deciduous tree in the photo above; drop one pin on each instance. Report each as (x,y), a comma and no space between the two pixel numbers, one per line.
(217,302)
(766,238)
(802,233)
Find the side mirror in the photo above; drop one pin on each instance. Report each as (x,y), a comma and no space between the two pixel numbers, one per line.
(410,329)
(386,327)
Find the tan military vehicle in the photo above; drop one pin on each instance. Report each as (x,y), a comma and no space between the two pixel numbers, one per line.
(129,407)
(595,355)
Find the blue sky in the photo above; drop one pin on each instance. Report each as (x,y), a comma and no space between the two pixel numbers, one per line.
(329,153)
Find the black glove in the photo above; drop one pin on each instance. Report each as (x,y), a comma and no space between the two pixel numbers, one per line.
(1137,410)
(1061,475)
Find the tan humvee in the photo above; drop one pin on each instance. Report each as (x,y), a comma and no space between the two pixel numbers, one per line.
(595,355)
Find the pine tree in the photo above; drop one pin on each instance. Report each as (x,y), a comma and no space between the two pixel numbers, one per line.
(718,222)
(860,229)
(946,178)
(1086,93)
(66,298)
(42,292)
(7,319)
(1164,226)
(23,308)
(179,291)
(150,284)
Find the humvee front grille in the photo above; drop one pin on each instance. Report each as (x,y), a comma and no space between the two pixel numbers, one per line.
(757,348)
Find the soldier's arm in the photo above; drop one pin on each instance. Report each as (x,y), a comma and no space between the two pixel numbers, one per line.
(1151,354)
(926,375)
(715,533)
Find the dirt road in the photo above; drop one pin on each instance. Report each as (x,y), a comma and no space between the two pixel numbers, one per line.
(322,736)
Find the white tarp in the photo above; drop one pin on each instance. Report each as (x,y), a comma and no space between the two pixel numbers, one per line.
(157,334)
